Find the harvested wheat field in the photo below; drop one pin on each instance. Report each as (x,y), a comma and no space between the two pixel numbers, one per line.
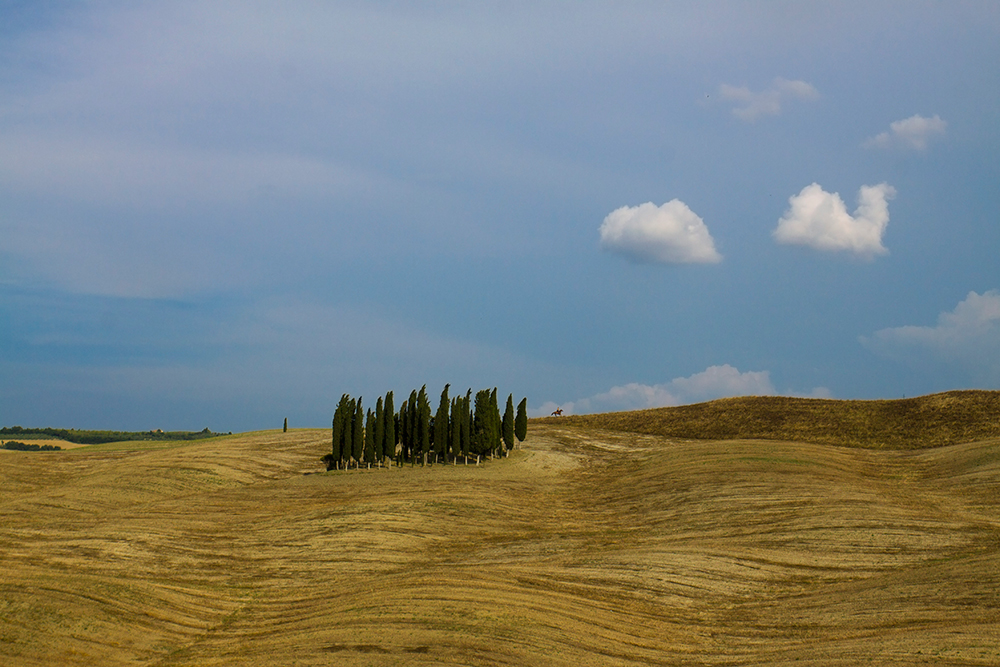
(585,547)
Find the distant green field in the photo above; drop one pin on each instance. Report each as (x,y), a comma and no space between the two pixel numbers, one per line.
(83,437)
(17,446)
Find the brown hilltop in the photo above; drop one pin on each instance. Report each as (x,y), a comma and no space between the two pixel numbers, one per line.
(908,423)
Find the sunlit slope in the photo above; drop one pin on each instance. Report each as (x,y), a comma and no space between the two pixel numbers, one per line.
(927,421)
(584,548)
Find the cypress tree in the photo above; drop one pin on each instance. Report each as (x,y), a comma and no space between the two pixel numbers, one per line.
(494,423)
(389,443)
(347,429)
(455,429)
(358,434)
(412,426)
(404,430)
(347,432)
(424,423)
(508,424)
(338,432)
(328,458)
(378,430)
(441,428)
(467,425)
(521,421)
(399,450)
(344,430)
(369,451)
(284,429)
(481,426)
(334,439)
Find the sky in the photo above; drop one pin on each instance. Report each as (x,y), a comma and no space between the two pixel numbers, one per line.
(221,214)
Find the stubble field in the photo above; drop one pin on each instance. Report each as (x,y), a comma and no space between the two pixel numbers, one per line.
(585,547)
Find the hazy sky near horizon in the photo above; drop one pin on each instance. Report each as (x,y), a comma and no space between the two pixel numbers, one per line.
(223,214)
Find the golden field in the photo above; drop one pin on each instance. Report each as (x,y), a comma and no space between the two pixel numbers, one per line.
(593,544)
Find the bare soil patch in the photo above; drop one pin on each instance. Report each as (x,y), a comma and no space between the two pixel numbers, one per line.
(585,547)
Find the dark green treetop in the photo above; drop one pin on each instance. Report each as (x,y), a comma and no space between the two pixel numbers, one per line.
(441,426)
(424,423)
(507,430)
(358,433)
(521,420)
(378,430)
(369,451)
(390,440)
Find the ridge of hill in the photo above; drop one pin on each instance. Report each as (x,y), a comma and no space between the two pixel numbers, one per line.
(934,420)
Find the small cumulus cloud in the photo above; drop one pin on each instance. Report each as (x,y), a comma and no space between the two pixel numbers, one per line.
(820,220)
(752,105)
(968,336)
(714,382)
(913,132)
(668,234)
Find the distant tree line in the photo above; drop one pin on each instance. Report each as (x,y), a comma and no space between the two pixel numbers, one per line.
(99,437)
(22,447)
(461,428)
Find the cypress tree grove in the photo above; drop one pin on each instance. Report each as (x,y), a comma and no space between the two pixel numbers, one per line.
(459,427)
(508,424)
(378,431)
(389,443)
(358,434)
(441,428)
(521,420)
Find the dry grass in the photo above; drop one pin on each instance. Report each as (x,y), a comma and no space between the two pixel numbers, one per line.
(909,423)
(584,548)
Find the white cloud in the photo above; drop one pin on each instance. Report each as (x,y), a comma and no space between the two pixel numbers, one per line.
(968,336)
(913,132)
(669,234)
(714,382)
(751,105)
(820,220)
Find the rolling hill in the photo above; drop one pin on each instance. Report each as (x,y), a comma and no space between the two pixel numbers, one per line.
(593,544)
(908,423)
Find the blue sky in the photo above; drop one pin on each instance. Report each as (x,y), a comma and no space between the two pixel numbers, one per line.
(222,214)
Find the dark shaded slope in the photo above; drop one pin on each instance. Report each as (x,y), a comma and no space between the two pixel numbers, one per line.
(909,423)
